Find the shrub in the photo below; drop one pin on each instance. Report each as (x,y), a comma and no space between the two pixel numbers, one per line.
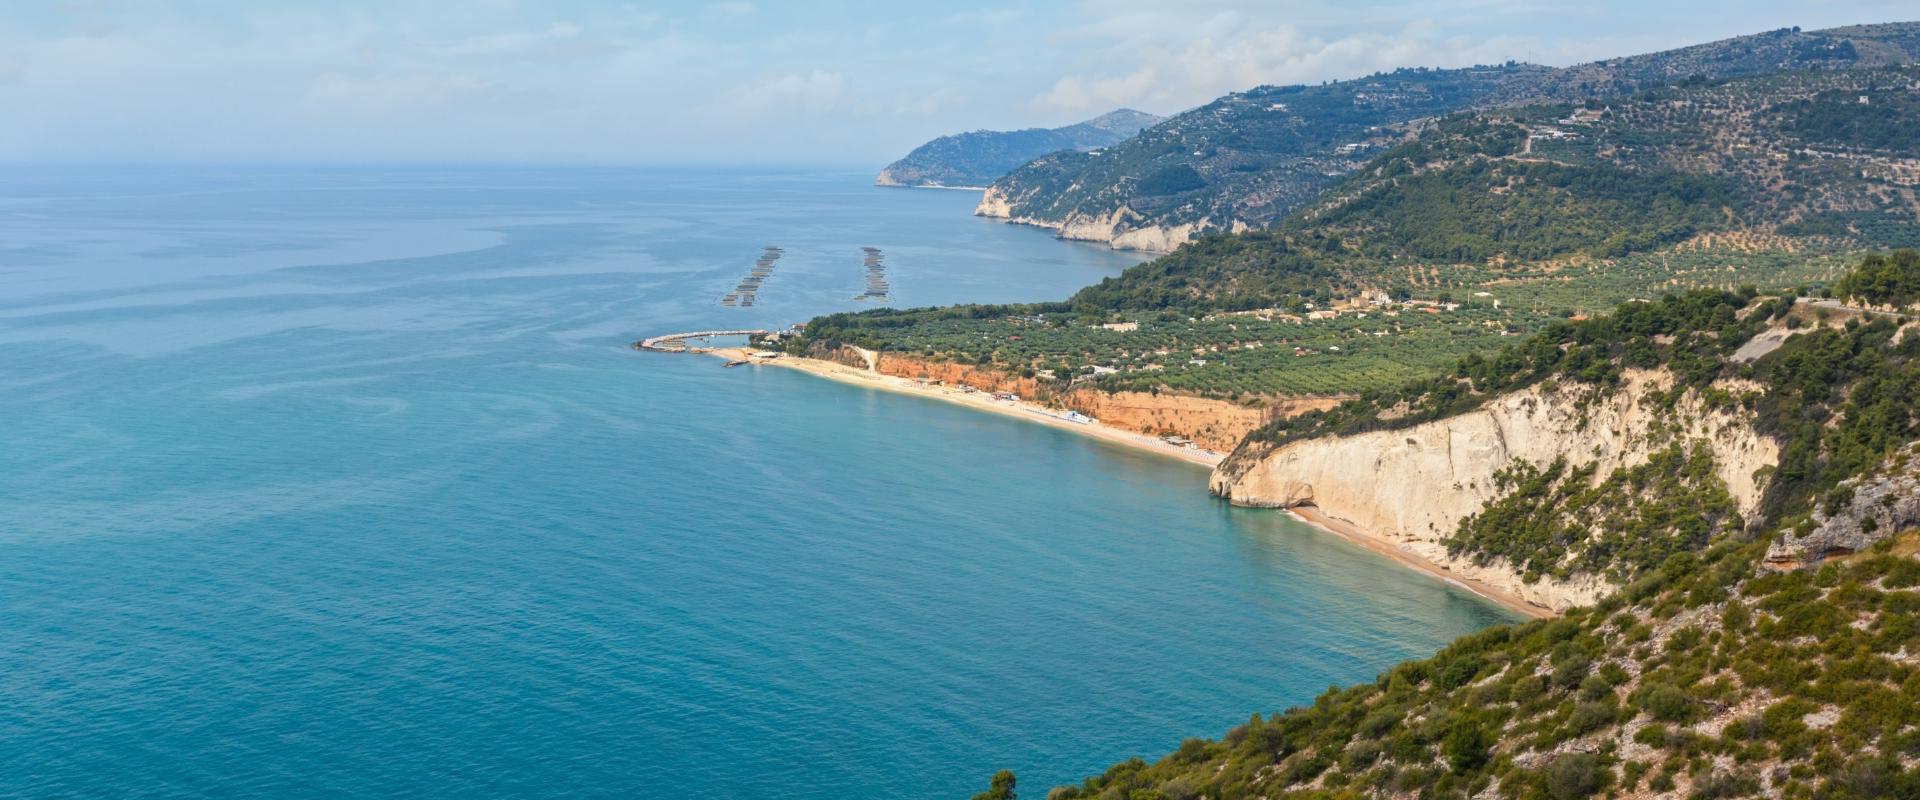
(1360,755)
(1192,750)
(1725,784)
(1664,702)
(1000,788)
(1466,746)
(1574,776)
(1590,717)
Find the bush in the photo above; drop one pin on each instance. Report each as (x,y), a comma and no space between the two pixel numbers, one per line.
(1589,717)
(1466,747)
(1360,755)
(1664,702)
(1574,776)
(1725,784)
(1000,788)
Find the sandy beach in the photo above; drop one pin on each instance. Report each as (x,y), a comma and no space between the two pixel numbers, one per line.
(1206,458)
(979,400)
(1348,531)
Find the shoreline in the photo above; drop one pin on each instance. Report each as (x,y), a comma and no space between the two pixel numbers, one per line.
(930,186)
(1308,515)
(1313,516)
(1031,412)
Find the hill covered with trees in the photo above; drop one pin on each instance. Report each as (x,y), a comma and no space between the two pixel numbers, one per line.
(979,158)
(1483,226)
(1250,158)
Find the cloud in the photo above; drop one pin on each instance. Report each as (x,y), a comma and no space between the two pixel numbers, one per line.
(1076,95)
(387,96)
(625,80)
(813,92)
(1148,58)
(731,9)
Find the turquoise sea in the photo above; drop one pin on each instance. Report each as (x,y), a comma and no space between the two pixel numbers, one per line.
(344,482)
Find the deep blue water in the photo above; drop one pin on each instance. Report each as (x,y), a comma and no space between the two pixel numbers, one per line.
(345,483)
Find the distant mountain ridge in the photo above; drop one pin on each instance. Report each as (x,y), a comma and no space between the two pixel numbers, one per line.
(1247,159)
(978,158)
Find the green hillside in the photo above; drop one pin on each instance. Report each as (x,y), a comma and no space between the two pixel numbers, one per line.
(979,158)
(1482,227)
(1250,155)
(1710,675)
(1253,157)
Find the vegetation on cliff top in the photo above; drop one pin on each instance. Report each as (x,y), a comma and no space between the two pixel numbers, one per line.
(1884,280)
(1689,334)
(1706,676)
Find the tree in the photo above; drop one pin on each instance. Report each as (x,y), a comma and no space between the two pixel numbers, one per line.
(1000,789)
(1466,747)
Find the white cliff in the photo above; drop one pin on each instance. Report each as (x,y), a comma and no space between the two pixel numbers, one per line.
(1412,486)
(1120,229)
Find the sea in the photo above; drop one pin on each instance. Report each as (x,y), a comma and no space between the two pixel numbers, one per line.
(346,482)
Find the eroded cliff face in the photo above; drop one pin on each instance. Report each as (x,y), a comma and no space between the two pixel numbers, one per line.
(1216,425)
(994,203)
(1120,229)
(1412,486)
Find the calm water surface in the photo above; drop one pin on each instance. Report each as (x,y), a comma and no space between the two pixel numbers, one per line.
(344,483)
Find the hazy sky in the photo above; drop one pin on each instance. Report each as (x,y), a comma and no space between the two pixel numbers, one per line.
(747,81)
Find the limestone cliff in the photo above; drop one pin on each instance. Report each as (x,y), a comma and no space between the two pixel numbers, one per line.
(1120,229)
(1412,486)
(1878,506)
(993,203)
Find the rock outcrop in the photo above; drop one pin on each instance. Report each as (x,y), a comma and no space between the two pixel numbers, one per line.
(1120,229)
(1881,505)
(1412,486)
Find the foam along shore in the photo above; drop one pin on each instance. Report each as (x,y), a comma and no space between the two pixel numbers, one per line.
(1352,533)
(978,400)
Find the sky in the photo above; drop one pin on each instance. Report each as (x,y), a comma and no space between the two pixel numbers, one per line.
(823,82)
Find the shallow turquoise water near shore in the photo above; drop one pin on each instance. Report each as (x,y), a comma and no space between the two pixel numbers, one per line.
(344,482)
